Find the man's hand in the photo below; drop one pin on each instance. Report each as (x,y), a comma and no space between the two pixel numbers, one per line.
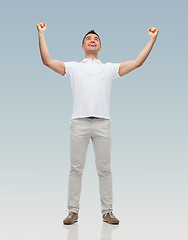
(152,31)
(41,27)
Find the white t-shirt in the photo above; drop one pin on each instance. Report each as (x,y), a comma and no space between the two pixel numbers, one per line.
(91,85)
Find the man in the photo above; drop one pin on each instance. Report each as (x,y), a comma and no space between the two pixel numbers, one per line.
(91,83)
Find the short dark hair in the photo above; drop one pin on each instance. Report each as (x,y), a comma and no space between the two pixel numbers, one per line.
(91,31)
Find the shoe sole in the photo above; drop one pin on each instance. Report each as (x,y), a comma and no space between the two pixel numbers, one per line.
(70,223)
(109,222)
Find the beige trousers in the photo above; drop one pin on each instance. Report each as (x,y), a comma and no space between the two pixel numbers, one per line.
(81,130)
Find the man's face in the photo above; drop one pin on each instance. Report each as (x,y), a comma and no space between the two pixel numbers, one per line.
(91,43)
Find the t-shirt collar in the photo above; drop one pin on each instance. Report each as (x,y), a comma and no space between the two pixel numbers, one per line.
(90,60)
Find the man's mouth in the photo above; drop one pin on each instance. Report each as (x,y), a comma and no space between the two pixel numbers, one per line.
(92,45)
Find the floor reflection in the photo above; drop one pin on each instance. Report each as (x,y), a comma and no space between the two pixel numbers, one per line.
(106,231)
(72,231)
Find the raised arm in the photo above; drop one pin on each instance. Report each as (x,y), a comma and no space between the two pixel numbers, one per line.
(128,66)
(55,65)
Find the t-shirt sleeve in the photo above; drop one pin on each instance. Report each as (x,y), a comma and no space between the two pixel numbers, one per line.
(68,68)
(115,70)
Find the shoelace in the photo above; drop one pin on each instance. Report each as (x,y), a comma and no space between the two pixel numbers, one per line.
(70,214)
(111,214)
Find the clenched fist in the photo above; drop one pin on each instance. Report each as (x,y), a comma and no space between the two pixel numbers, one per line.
(153,32)
(41,27)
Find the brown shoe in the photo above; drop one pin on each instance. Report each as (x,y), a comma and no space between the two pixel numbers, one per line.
(110,218)
(71,218)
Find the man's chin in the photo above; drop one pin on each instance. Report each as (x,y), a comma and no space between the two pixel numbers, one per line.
(92,50)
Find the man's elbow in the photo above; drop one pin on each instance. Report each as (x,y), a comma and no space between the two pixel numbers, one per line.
(46,63)
(138,64)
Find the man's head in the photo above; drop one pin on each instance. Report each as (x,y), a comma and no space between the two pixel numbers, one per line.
(91,43)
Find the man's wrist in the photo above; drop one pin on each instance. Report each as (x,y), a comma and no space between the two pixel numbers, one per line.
(153,39)
(41,34)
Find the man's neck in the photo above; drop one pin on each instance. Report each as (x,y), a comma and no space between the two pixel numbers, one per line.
(91,56)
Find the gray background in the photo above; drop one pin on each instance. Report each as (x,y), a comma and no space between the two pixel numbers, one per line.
(149,120)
